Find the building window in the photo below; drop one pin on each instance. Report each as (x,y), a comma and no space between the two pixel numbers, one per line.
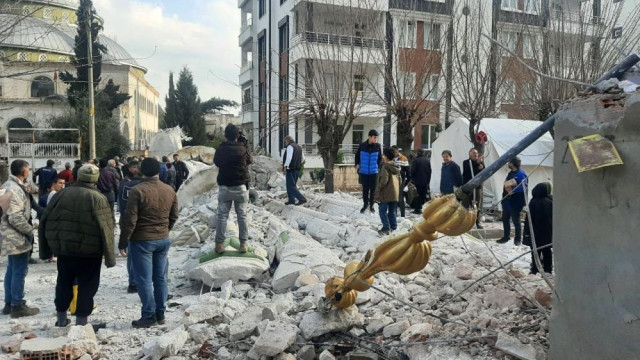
(531,6)
(358,83)
(43,58)
(283,34)
(47,13)
(408,34)
(357,134)
(295,80)
(428,136)
(509,96)
(432,36)
(42,87)
(65,16)
(509,39)
(430,91)
(22,56)
(261,8)
(527,46)
(26,10)
(406,85)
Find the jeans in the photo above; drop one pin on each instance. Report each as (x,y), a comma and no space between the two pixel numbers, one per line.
(368,188)
(511,208)
(132,280)
(388,215)
(292,190)
(239,197)
(17,268)
(149,260)
(87,273)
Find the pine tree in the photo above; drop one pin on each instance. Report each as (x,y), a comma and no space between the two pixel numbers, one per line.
(171,112)
(190,116)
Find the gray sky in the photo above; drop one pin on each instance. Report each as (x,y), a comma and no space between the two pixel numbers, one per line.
(164,35)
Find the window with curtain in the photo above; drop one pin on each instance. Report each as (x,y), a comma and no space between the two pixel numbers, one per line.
(432,33)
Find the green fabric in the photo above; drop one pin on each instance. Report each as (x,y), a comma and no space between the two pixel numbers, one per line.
(78,222)
(234,242)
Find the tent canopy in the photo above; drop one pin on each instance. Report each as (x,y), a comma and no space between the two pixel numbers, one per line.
(537,159)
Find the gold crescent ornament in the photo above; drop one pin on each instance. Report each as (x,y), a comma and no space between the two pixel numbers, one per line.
(403,254)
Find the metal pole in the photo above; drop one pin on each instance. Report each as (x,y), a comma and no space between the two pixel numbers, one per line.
(92,117)
(547,125)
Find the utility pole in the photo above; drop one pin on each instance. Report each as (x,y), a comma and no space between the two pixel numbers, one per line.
(92,112)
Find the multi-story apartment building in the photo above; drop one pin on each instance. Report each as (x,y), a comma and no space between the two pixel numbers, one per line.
(285,43)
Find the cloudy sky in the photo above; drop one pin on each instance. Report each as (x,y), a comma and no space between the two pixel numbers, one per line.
(165,35)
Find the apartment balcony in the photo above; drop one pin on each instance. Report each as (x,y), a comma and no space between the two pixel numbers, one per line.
(246,33)
(573,22)
(373,5)
(245,73)
(325,46)
(247,108)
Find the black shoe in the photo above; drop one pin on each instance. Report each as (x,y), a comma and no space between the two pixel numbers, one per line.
(23,310)
(384,232)
(301,202)
(517,242)
(478,226)
(417,212)
(33,261)
(160,318)
(144,322)
(290,203)
(66,323)
(98,326)
(132,289)
(364,208)
(373,211)
(503,241)
(6,310)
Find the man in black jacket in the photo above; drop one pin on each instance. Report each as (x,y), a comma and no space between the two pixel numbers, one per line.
(46,176)
(470,168)
(291,165)
(421,177)
(232,161)
(182,173)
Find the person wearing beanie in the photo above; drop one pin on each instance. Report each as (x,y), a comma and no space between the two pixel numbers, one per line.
(77,227)
(152,210)
(368,160)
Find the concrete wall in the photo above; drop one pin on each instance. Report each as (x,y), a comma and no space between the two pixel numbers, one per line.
(596,237)
(346,178)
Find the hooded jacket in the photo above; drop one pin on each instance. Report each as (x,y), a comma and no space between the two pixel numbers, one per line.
(15,229)
(369,157)
(388,188)
(541,209)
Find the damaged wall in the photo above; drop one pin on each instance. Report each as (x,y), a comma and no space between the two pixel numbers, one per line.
(596,229)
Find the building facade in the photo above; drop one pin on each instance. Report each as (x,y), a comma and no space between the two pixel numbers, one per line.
(411,56)
(36,44)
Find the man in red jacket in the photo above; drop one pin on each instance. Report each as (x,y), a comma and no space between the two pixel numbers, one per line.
(66,174)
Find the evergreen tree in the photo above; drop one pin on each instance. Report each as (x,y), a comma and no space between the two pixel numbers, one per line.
(190,116)
(216,103)
(171,112)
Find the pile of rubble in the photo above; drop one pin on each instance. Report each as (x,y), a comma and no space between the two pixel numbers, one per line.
(266,303)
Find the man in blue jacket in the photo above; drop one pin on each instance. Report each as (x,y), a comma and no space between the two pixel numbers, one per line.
(451,177)
(368,159)
(46,176)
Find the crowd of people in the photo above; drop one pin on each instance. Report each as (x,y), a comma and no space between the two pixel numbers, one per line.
(76,212)
(77,219)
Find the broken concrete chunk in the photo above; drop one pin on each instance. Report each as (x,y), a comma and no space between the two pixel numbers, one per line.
(207,308)
(226,290)
(417,332)
(543,296)
(326,355)
(377,322)
(307,352)
(191,235)
(514,347)
(498,298)
(166,345)
(201,332)
(396,329)
(276,338)
(463,272)
(232,265)
(245,324)
(315,324)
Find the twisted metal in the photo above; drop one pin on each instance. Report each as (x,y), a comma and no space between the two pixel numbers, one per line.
(403,254)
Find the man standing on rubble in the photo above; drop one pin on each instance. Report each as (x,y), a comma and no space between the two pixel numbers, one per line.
(421,178)
(182,173)
(16,232)
(368,159)
(77,227)
(232,161)
(470,168)
(292,163)
(152,210)
(46,176)
(451,177)
(134,179)
(107,183)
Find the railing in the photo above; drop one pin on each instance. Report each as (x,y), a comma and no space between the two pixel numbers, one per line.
(246,67)
(573,17)
(309,149)
(349,148)
(342,40)
(244,30)
(247,107)
(44,150)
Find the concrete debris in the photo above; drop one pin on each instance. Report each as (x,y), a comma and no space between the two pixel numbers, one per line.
(207,308)
(266,173)
(166,142)
(232,266)
(198,183)
(502,299)
(417,332)
(191,235)
(377,322)
(395,329)
(167,345)
(307,352)
(326,355)
(43,345)
(12,345)
(463,272)
(276,338)
(202,154)
(201,332)
(436,353)
(285,356)
(82,340)
(543,296)
(314,324)
(245,324)
(514,347)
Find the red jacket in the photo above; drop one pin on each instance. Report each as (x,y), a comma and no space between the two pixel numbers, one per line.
(66,175)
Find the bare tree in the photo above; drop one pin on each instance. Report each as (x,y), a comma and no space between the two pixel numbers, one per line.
(332,73)
(579,43)
(477,79)
(412,71)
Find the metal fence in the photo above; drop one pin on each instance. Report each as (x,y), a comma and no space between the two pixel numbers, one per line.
(41,150)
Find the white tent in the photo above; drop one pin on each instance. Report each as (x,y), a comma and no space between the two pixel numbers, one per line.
(503,134)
